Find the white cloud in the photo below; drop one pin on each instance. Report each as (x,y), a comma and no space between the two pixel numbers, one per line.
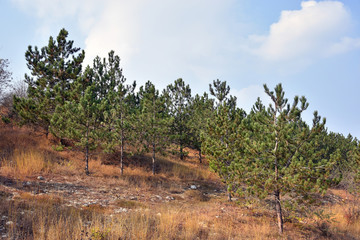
(162,40)
(54,9)
(318,29)
(159,40)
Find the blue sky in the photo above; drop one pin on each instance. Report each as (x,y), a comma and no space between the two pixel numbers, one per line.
(311,47)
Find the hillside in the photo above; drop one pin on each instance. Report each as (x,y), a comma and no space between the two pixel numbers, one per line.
(45,194)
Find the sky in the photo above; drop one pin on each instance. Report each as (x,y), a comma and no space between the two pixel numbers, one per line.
(311,47)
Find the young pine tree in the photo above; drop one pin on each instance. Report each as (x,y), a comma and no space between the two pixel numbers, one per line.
(279,153)
(221,143)
(80,119)
(178,98)
(201,111)
(112,90)
(153,121)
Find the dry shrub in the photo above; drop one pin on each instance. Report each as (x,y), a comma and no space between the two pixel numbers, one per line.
(185,172)
(127,204)
(25,163)
(346,218)
(196,195)
(41,199)
(102,170)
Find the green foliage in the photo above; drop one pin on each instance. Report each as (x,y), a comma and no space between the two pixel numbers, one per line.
(80,118)
(221,142)
(98,234)
(201,110)
(5,120)
(58,148)
(54,68)
(153,121)
(272,151)
(178,98)
(219,90)
(346,149)
(117,98)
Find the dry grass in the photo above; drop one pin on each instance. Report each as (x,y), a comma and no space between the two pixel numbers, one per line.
(42,220)
(24,163)
(347,219)
(194,214)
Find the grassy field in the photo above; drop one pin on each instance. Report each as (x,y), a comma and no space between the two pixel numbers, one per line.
(44,194)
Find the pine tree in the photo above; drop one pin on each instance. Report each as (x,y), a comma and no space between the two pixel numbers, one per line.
(222,127)
(201,110)
(53,70)
(220,90)
(278,153)
(220,142)
(79,119)
(113,90)
(153,121)
(120,119)
(178,97)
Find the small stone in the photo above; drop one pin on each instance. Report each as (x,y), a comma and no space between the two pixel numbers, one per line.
(170,198)
(121,210)
(40,178)
(8,223)
(193,187)
(158,197)
(133,198)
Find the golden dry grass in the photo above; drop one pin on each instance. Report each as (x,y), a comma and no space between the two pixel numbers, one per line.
(24,163)
(194,216)
(49,220)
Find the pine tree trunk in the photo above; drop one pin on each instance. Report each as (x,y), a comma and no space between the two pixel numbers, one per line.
(181,152)
(87,160)
(122,156)
(229,195)
(153,160)
(87,153)
(279,211)
(200,156)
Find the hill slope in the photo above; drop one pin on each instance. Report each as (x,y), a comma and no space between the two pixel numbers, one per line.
(44,194)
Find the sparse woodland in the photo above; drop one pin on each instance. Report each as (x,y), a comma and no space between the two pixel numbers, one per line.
(267,157)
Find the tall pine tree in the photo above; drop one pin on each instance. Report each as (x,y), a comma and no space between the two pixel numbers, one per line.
(54,68)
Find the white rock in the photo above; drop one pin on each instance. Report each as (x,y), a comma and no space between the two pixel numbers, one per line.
(193,187)
(9,223)
(40,178)
(121,210)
